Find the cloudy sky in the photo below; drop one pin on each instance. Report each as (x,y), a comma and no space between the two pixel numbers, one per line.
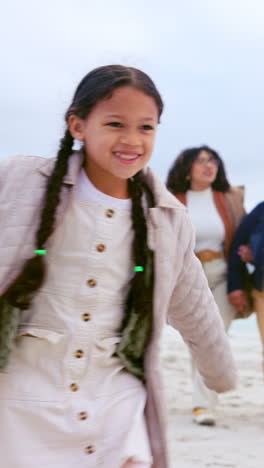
(206,57)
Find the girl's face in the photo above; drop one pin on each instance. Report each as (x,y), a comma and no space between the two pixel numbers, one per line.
(204,171)
(118,138)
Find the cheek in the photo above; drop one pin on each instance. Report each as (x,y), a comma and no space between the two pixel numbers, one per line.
(149,144)
(195,172)
(96,147)
(150,147)
(215,170)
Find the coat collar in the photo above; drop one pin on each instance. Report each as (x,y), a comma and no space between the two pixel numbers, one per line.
(75,164)
(163,198)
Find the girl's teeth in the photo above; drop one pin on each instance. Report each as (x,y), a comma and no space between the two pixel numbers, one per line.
(126,156)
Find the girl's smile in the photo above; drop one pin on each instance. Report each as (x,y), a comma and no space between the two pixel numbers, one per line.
(126,157)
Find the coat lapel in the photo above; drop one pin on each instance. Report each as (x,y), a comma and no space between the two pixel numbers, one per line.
(75,164)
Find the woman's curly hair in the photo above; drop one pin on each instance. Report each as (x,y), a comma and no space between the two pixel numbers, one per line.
(178,179)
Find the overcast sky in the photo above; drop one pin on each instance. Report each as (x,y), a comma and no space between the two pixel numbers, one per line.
(205,56)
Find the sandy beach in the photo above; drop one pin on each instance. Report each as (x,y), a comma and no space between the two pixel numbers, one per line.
(237,439)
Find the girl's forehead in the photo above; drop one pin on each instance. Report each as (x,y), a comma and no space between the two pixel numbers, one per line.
(127,101)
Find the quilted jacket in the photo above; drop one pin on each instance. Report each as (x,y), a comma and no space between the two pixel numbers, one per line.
(181,296)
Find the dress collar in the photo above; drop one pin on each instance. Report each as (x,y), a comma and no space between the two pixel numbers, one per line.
(163,198)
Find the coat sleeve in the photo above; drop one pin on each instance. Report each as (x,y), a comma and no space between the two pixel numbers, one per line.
(194,313)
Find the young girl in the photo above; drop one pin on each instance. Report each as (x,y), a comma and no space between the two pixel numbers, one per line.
(96,255)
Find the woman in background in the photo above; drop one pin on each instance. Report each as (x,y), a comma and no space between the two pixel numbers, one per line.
(198,179)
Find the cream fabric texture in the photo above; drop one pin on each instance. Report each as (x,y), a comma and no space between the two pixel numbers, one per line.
(181,296)
(60,348)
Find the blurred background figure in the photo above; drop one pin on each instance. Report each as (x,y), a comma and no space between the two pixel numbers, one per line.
(198,179)
(248,247)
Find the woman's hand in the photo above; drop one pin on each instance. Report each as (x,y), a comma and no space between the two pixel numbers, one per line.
(245,253)
(238,299)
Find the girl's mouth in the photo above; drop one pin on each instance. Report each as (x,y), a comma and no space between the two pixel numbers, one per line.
(128,158)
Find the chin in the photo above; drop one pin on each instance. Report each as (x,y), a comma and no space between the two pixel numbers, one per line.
(125,175)
(209,180)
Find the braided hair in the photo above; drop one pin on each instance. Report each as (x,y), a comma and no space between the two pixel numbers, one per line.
(137,322)
(97,85)
(21,291)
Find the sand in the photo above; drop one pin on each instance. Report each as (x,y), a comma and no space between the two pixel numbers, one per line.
(237,440)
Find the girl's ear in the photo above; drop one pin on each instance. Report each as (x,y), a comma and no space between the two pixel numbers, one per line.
(75,125)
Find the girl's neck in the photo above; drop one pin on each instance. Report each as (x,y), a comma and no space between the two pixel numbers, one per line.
(107,183)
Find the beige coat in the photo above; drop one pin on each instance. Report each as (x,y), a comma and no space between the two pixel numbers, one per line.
(181,295)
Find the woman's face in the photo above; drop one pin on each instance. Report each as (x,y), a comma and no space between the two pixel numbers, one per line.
(203,171)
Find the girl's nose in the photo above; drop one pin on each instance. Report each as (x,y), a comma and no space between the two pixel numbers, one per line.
(130,138)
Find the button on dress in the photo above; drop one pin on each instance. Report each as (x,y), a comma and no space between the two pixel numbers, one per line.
(65,401)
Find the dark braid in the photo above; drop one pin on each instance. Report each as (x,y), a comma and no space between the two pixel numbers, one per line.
(138,222)
(21,291)
(137,323)
(53,190)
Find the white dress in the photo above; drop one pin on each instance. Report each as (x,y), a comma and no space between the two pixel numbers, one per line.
(65,402)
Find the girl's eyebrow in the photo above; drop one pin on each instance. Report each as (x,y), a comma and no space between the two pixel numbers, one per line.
(119,116)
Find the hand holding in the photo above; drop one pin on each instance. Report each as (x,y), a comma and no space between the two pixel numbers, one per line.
(245,253)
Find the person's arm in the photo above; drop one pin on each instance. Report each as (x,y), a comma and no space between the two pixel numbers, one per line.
(236,266)
(237,271)
(245,253)
(194,313)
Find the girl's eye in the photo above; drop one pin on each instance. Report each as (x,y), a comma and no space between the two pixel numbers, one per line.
(114,124)
(147,127)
